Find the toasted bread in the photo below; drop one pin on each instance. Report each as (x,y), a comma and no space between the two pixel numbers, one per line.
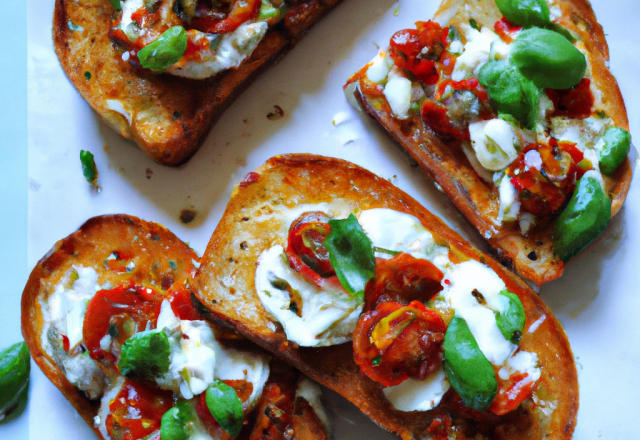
(168,117)
(160,259)
(251,224)
(530,254)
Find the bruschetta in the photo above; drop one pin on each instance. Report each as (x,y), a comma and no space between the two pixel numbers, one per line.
(510,107)
(161,72)
(108,317)
(350,280)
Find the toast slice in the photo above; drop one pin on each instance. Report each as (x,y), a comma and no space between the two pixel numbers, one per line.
(146,254)
(258,217)
(168,117)
(473,189)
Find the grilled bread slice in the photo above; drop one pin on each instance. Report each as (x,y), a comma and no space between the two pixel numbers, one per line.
(258,217)
(168,117)
(122,250)
(474,190)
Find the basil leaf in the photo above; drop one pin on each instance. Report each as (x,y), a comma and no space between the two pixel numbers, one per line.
(145,355)
(15,366)
(525,12)
(548,59)
(511,322)
(165,51)
(225,406)
(89,169)
(510,92)
(617,143)
(469,371)
(117,5)
(584,219)
(174,422)
(351,254)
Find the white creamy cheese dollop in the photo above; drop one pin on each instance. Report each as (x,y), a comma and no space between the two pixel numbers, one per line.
(329,315)
(494,142)
(418,395)
(476,52)
(398,93)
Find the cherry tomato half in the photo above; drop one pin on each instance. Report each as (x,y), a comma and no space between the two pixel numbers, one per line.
(136,411)
(305,246)
(120,313)
(395,342)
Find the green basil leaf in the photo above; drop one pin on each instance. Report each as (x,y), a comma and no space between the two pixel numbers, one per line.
(116,4)
(351,254)
(469,371)
(174,422)
(584,219)
(525,13)
(225,406)
(548,59)
(267,11)
(15,366)
(89,169)
(145,355)
(510,92)
(617,143)
(165,51)
(511,322)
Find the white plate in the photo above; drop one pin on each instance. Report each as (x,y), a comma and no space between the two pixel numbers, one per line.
(597,299)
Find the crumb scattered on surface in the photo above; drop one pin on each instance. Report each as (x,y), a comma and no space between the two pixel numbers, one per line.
(241,161)
(187,215)
(149,173)
(105,148)
(275,113)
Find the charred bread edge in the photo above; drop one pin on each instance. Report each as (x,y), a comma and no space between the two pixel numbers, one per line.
(595,42)
(343,376)
(32,317)
(177,150)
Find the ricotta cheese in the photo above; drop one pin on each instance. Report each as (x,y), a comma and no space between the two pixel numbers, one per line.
(418,395)
(311,392)
(380,67)
(398,93)
(476,52)
(494,142)
(509,203)
(329,315)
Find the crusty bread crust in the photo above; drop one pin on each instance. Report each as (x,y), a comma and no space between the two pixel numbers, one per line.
(170,117)
(89,247)
(226,288)
(446,164)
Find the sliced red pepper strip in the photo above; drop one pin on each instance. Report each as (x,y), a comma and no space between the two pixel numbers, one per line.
(511,393)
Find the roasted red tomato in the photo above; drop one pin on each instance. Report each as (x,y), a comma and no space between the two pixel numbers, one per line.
(208,20)
(573,103)
(305,246)
(137,411)
(403,279)
(543,189)
(395,342)
(275,410)
(436,116)
(511,393)
(182,305)
(243,389)
(506,30)
(119,313)
(419,50)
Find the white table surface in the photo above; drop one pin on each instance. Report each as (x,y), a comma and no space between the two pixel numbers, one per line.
(597,299)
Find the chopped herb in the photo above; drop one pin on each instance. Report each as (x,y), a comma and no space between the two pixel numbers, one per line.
(483,259)
(113,331)
(384,251)
(602,114)
(89,168)
(117,5)
(276,113)
(173,265)
(376,360)
(75,27)
(473,23)
(396,11)
(87,75)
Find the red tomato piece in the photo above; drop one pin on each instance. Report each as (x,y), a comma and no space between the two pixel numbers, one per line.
(574,103)
(182,305)
(241,12)
(395,342)
(249,179)
(511,393)
(305,247)
(506,30)
(121,312)
(403,279)
(435,116)
(137,411)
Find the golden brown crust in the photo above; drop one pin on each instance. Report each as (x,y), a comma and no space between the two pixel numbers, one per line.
(445,163)
(89,247)
(170,116)
(225,285)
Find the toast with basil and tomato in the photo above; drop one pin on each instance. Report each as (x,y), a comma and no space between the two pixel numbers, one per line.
(161,72)
(108,317)
(510,107)
(358,286)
